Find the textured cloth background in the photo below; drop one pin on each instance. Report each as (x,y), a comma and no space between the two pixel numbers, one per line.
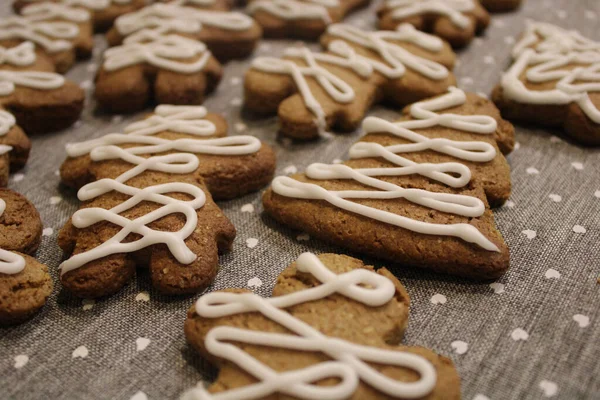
(535,333)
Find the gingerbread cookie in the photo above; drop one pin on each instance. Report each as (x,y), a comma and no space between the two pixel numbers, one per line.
(40,101)
(168,69)
(330,331)
(147,202)
(228,35)
(24,283)
(313,92)
(501,5)
(104,12)
(457,21)
(302,19)
(63,33)
(415,192)
(554,85)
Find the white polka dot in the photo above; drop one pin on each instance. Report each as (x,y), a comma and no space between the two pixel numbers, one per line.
(438,299)
(483,95)
(459,346)
(532,171)
(88,304)
(551,273)
(517,146)
(142,296)
(562,14)
(139,396)
(20,361)
(478,41)
(519,334)
(466,80)
(509,40)
(582,320)
(549,388)
(489,60)
(235,80)
(92,67)
(579,229)
(337,161)
(531,234)
(510,204)
(80,352)
(86,85)
(141,343)
(555,198)
(264,47)
(577,165)
(240,127)
(18,177)
(236,102)
(54,200)
(290,169)
(47,232)
(589,14)
(247,208)
(597,194)
(251,242)
(498,23)
(480,396)
(255,282)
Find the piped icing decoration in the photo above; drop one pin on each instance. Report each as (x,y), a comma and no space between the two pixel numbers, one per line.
(94,5)
(7,122)
(9,80)
(349,361)
(396,61)
(453,174)
(10,263)
(48,25)
(294,9)
(176,119)
(172,18)
(547,53)
(454,10)
(170,52)
(19,56)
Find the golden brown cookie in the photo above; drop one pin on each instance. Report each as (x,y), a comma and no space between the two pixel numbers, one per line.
(301,19)
(313,92)
(551,86)
(332,330)
(147,201)
(501,5)
(228,35)
(63,33)
(104,12)
(40,101)
(457,21)
(168,69)
(24,283)
(415,192)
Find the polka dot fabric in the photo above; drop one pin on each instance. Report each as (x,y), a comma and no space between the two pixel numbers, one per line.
(531,334)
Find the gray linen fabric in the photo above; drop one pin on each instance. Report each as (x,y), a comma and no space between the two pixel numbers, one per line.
(550,295)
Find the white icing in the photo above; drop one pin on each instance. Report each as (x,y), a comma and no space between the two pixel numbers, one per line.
(348,362)
(39,25)
(18,56)
(345,56)
(176,119)
(452,9)
(29,79)
(7,122)
(10,263)
(95,5)
(398,59)
(546,54)
(451,173)
(172,18)
(168,52)
(295,9)
(50,11)
(5,149)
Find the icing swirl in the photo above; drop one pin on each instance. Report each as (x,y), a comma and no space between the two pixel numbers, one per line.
(29,79)
(349,360)
(10,263)
(294,9)
(452,9)
(18,56)
(451,173)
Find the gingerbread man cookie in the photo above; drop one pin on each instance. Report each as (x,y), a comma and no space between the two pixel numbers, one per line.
(228,35)
(501,5)
(331,331)
(104,12)
(554,81)
(414,192)
(25,284)
(302,19)
(457,21)
(313,92)
(167,69)
(63,33)
(31,96)
(147,201)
